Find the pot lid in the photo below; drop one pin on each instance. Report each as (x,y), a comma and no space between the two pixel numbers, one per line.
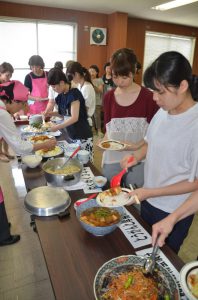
(47,201)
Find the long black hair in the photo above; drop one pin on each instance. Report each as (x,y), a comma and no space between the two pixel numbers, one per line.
(169,69)
(76,67)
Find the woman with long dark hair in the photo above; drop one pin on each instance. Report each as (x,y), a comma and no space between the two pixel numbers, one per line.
(80,76)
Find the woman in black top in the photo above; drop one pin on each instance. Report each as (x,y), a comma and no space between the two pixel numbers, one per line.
(71,106)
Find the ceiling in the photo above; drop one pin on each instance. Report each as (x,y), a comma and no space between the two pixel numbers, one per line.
(184,15)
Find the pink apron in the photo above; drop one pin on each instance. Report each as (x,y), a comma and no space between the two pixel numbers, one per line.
(39,89)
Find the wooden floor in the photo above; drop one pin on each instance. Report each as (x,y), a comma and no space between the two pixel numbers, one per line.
(23,273)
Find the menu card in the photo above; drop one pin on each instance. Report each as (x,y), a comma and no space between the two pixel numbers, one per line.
(87,176)
(163,261)
(133,231)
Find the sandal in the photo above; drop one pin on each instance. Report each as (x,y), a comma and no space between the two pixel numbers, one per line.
(4,158)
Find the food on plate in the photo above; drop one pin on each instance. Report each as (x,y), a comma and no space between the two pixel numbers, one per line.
(48,125)
(129,282)
(38,127)
(192,281)
(67,170)
(53,152)
(111,192)
(30,128)
(39,138)
(115,196)
(100,216)
(112,145)
(106,144)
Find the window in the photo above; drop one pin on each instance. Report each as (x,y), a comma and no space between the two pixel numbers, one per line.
(157,43)
(21,39)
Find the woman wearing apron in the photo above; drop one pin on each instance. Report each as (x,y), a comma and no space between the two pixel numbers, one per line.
(13,97)
(36,82)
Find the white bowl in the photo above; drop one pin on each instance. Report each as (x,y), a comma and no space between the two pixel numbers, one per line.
(83,156)
(100,181)
(32,161)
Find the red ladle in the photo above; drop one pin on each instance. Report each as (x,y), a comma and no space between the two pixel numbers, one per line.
(79,202)
(116,180)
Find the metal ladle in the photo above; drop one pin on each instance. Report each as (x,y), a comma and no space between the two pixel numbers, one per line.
(67,160)
(149,264)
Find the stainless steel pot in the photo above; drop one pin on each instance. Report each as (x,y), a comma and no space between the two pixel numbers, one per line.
(47,201)
(62,180)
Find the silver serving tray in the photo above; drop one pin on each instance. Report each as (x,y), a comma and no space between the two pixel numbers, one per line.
(47,201)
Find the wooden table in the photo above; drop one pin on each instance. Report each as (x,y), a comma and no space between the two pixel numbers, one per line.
(72,255)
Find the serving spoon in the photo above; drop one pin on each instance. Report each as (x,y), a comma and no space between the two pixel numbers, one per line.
(67,160)
(149,264)
(116,180)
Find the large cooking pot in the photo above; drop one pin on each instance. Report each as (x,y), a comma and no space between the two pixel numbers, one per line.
(47,201)
(58,179)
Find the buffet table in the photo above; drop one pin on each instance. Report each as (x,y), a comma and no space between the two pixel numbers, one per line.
(72,255)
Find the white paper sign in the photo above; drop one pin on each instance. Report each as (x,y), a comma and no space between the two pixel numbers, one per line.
(133,231)
(163,261)
(87,177)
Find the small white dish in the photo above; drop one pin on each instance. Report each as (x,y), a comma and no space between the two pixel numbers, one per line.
(100,181)
(186,271)
(32,160)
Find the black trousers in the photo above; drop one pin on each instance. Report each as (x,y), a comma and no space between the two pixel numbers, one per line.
(4,226)
(175,239)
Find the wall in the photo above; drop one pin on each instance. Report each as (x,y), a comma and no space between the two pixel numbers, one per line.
(136,36)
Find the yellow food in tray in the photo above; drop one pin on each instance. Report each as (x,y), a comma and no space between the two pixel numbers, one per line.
(67,170)
(49,153)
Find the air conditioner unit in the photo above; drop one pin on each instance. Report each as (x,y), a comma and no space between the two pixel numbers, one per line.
(98,36)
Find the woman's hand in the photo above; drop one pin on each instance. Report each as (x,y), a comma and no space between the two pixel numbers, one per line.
(127,162)
(141,194)
(47,145)
(163,229)
(54,128)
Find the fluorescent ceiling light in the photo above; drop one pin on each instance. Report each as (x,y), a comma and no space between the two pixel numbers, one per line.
(173,4)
